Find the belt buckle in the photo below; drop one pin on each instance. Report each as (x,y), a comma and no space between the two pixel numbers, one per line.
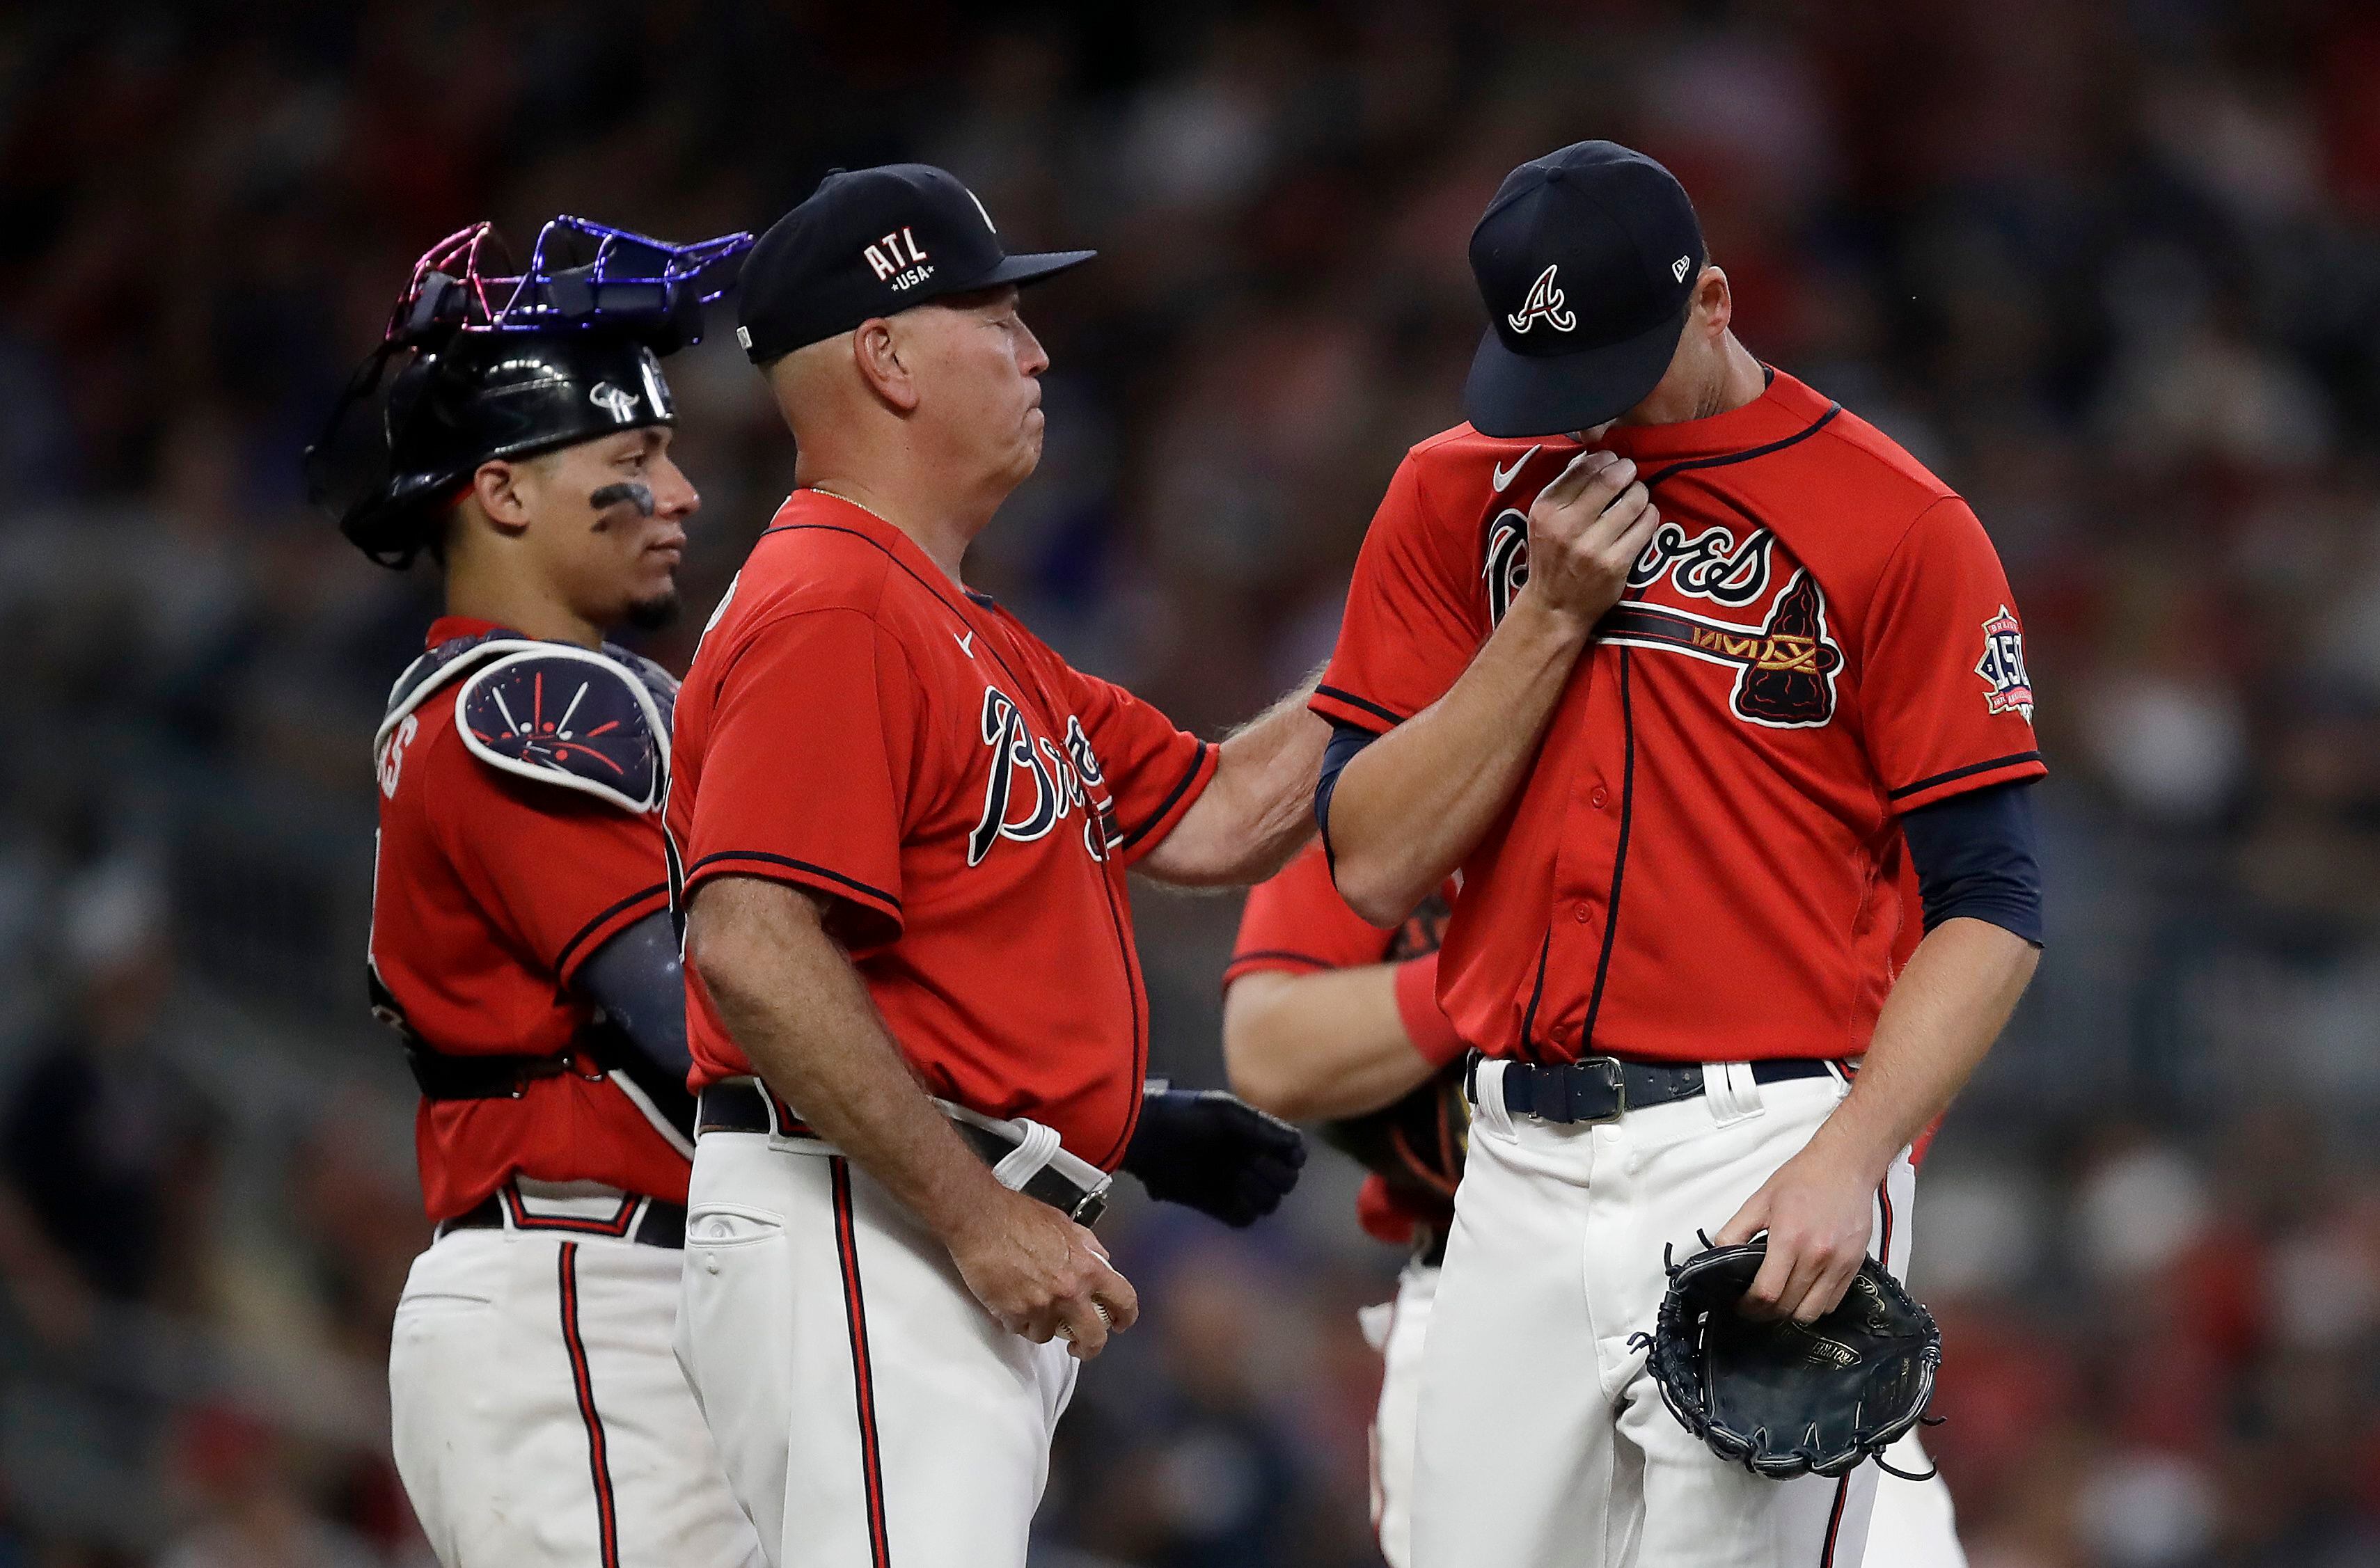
(1088,1208)
(1608,1074)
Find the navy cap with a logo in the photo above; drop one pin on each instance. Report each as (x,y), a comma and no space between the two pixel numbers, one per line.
(1586,261)
(872,242)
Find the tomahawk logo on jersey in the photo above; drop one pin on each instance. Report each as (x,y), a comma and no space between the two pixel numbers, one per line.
(1794,663)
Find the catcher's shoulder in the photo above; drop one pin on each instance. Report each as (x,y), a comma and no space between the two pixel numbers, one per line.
(569,719)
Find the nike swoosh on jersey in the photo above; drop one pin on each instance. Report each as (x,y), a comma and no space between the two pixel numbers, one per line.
(1503,477)
(967,643)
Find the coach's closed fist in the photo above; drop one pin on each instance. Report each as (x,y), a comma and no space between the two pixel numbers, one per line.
(1586,531)
(1042,1275)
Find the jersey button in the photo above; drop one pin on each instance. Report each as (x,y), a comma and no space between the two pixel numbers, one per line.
(1579,912)
(1599,797)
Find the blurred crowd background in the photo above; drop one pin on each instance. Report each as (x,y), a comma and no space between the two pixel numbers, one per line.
(2113,269)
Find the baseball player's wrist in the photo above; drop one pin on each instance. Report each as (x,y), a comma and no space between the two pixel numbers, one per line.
(1539,617)
(1846,1149)
(1425,1023)
(967,1205)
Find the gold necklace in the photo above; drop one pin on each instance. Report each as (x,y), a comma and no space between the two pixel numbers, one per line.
(861,504)
(879,517)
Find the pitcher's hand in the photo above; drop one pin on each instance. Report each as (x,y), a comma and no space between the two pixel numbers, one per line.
(1818,1214)
(1586,529)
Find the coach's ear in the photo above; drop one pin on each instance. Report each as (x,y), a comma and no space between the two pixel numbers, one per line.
(876,349)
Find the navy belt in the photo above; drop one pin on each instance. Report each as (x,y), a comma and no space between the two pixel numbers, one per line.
(747,1108)
(1604,1088)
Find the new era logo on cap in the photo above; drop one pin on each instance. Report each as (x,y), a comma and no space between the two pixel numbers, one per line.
(873,242)
(1585,260)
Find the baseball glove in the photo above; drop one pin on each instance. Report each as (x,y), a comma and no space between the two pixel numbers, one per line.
(1786,1399)
(1417,1144)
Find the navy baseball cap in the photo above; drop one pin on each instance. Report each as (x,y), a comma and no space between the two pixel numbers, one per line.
(872,242)
(1586,261)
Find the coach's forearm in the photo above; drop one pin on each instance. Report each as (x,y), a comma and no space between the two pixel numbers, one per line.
(1949,1004)
(1410,806)
(1258,809)
(788,994)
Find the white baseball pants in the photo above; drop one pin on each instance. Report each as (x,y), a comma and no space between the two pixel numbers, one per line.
(539,1417)
(868,1411)
(1398,1328)
(1543,1442)
(1913,1524)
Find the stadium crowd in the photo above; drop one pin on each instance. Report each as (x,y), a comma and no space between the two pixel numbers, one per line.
(2113,270)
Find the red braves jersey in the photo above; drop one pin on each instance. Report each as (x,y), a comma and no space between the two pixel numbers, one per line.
(1295,923)
(1704,861)
(856,724)
(488,892)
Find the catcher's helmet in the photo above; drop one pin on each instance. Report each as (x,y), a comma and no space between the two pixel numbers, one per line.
(508,366)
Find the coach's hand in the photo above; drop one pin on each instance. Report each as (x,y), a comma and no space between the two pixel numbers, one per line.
(1586,531)
(1041,1274)
(1819,1211)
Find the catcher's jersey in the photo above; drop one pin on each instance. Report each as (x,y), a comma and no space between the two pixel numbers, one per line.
(489,891)
(1295,923)
(856,724)
(1705,862)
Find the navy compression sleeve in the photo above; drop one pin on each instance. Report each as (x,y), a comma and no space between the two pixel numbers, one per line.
(1345,741)
(1975,856)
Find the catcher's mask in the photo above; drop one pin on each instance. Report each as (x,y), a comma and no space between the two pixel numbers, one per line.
(493,364)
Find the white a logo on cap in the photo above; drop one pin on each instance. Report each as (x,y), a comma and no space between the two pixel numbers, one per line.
(1545,302)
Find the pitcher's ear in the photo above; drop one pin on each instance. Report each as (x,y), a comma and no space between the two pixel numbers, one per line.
(1714,301)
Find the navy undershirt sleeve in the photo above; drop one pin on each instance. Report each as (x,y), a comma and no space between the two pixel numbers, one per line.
(637,979)
(1346,740)
(1974,858)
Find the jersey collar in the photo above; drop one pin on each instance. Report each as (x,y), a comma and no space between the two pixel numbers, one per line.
(447,629)
(1785,409)
(816,508)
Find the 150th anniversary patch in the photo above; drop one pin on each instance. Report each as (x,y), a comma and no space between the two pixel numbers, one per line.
(2010,689)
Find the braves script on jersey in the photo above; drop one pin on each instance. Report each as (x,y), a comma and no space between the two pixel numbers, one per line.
(856,724)
(489,891)
(1818,638)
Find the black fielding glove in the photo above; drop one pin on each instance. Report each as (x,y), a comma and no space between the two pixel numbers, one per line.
(1214,1152)
(1784,1399)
